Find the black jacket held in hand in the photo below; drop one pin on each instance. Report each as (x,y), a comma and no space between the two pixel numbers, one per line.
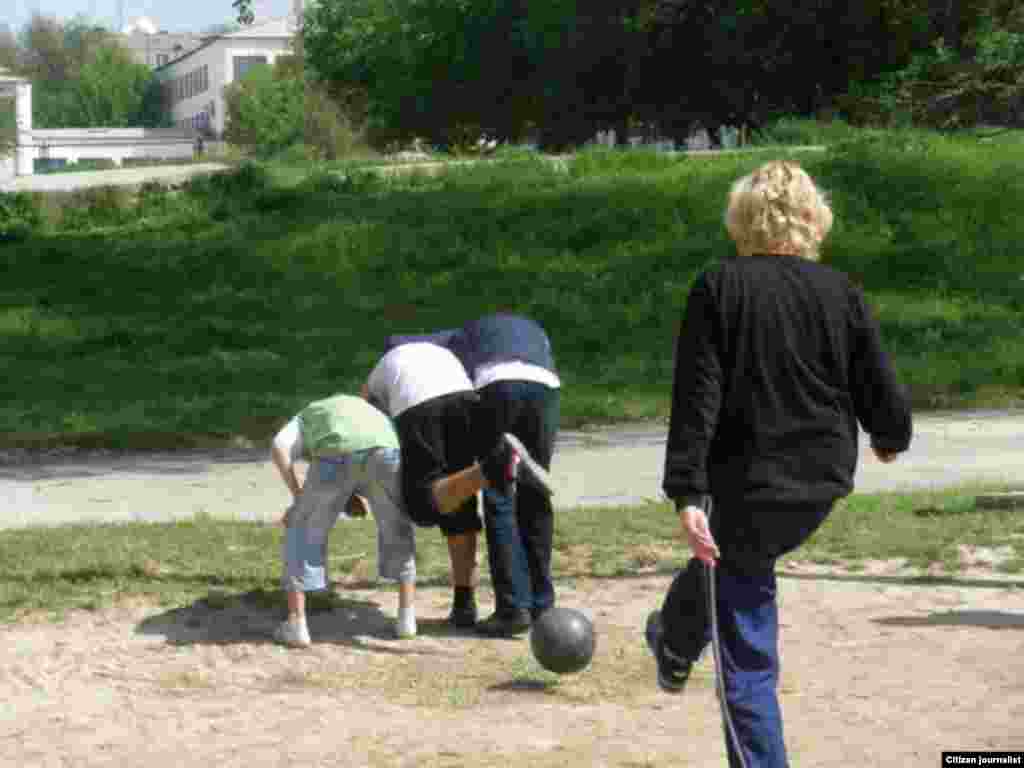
(777,361)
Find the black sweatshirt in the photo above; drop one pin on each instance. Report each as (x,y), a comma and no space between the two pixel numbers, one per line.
(777,361)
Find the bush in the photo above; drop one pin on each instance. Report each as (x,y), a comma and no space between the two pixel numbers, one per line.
(93,207)
(265,111)
(152,198)
(327,131)
(20,216)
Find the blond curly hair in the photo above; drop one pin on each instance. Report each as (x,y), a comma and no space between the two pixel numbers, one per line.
(778,209)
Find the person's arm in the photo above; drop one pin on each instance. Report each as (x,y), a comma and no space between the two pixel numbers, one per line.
(696,402)
(881,404)
(696,398)
(285,448)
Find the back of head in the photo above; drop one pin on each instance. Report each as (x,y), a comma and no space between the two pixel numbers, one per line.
(778,209)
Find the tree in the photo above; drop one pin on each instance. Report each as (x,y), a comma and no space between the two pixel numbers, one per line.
(114,90)
(8,49)
(8,127)
(450,70)
(244,10)
(266,111)
(82,76)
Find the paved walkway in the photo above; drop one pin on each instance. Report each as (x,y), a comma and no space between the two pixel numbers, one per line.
(604,467)
(120,177)
(175,174)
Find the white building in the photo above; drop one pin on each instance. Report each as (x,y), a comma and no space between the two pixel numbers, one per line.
(194,83)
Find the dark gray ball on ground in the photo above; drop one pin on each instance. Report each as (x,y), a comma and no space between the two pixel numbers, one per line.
(562,640)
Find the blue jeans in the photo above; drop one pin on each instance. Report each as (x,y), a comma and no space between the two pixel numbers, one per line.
(519,528)
(751,537)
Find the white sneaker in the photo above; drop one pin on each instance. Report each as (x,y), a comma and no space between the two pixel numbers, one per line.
(294,634)
(405,627)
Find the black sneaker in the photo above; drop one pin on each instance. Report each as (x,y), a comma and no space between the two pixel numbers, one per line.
(463,615)
(673,672)
(509,462)
(511,624)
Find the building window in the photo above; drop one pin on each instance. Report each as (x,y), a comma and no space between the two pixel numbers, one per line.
(161,59)
(244,63)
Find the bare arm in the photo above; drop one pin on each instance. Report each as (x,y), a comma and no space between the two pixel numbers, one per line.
(286,468)
(282,450)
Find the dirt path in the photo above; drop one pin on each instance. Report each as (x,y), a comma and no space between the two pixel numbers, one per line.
(873,673)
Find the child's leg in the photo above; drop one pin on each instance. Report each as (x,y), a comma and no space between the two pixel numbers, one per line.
(452,491)
(396,534)
(405,626)
(305,543)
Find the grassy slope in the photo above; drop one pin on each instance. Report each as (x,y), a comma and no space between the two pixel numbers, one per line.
(223,309)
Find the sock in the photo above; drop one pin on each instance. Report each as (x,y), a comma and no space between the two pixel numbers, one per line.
(406,621)
(464,596)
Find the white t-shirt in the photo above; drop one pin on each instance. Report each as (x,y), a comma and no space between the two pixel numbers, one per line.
(514,370)
(411,374)
(289,439)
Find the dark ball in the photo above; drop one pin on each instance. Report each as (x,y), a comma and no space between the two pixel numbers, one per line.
(562,640)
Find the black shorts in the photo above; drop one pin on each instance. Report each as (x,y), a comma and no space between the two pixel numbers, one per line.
(437,440)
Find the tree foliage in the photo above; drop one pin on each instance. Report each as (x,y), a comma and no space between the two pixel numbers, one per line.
(264,111)
(450,70)
(977,79)
(82,76)
(7,126)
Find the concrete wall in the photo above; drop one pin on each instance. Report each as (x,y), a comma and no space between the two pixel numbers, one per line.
(117,144)
(23,120)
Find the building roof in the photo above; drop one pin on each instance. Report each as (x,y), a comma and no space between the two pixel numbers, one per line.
(280,26)
(274,28)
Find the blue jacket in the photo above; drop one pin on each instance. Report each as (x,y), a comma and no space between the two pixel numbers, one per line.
(491,339)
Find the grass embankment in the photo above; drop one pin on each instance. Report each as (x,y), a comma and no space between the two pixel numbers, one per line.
(170,318)
(53,570)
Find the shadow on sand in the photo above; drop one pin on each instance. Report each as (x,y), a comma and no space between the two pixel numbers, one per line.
(250,618)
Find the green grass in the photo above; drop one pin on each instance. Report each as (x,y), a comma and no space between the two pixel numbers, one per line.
(182,318)
(54,570)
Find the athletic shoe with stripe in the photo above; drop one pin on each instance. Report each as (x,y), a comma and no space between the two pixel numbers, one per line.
(673,672)
(509,463)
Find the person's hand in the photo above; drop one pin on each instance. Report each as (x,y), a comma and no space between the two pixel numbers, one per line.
(886,457)
(698,534)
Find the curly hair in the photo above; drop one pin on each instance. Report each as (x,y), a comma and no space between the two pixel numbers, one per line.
(778,209)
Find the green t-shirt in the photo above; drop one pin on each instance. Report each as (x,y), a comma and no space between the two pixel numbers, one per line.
(344,424)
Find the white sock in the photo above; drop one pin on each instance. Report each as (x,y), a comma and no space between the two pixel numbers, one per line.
(406,625)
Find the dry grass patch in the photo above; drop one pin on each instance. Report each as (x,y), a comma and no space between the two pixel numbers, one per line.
(649,557)
(186,680)
(573,559)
